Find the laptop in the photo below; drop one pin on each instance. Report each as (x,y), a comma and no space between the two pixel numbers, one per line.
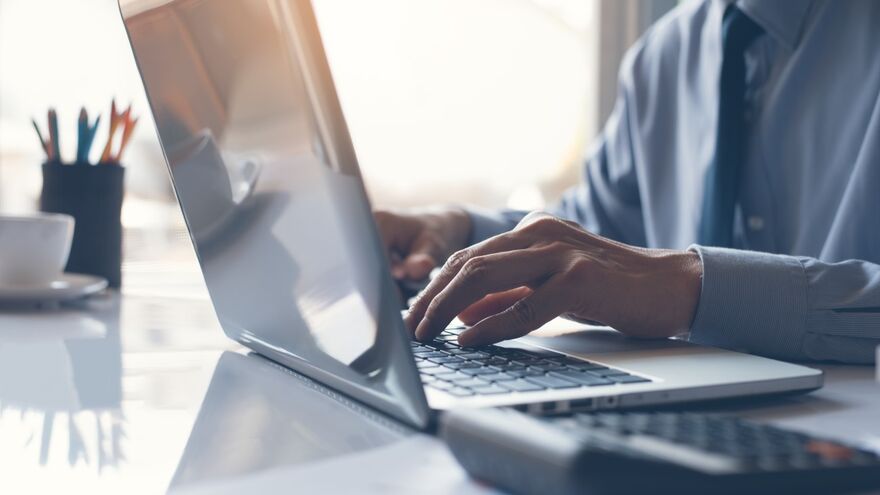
(268,181)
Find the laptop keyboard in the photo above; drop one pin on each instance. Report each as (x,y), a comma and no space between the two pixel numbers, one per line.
(462,372)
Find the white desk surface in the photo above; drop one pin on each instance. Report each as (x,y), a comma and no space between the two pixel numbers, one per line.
(112,396)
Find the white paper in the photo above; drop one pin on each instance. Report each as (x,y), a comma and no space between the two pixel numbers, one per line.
(419,465)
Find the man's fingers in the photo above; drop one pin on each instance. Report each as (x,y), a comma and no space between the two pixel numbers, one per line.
(492,304)
(503,242)
(484,275)
(527,314)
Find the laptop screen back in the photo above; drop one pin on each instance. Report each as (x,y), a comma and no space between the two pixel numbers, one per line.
(267,178)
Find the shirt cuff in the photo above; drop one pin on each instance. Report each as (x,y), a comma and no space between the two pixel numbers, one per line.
(486,224)
(750,301)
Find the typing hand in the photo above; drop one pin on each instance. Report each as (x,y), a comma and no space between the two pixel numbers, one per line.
(515,282)
(419,241)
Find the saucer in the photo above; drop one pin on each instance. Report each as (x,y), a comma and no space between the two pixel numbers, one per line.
(65,287)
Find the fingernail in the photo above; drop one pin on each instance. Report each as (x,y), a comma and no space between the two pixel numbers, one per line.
(421,330)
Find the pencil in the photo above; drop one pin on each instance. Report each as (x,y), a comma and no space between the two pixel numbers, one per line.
(130,124)
(114,123)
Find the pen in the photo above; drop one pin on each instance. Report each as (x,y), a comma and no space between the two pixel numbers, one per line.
(43,142)
(82,129)
(53,136)
(90,137)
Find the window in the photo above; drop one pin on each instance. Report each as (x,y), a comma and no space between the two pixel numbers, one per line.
(460,101)
(455,101)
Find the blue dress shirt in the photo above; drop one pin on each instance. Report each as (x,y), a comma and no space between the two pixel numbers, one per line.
(804,279)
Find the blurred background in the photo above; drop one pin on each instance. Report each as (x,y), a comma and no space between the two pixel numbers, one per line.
(490,103)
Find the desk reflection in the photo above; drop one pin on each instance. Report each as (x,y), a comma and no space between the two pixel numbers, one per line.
(61,371)
(257,415)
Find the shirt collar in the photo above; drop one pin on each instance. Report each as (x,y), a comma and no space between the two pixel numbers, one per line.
(784,20)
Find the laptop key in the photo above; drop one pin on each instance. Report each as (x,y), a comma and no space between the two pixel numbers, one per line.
(580,377)
(520,386)
(437,370)
(426,364)
(490,390)
(462,365)
(428,378)
(473,355)
(547,366)
(526,361)
(609,372)
(497,377)
(446,359)
(479,371)
(440,385)
(455,376)
(430,354)
(524,373)
(551,382)
(457,352)
(591,367)
(581,364)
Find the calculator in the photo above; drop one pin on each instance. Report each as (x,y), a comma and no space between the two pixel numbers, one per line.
(650,452)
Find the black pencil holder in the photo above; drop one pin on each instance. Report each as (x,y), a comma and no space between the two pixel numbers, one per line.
(91,194)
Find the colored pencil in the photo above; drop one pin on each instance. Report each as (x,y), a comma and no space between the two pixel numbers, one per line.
(114,123)
(130,124)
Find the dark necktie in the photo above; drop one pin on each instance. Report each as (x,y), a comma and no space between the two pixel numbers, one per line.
(723,176)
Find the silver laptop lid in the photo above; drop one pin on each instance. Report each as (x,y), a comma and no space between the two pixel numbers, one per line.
(267,178)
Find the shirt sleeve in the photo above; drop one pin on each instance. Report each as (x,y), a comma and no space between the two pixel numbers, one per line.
(788,307)
(606,201)
(487,223)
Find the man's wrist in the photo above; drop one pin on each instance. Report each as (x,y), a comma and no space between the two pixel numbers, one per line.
(692,265)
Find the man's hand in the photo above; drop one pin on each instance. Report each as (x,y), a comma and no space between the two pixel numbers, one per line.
(420,241)
(515,282)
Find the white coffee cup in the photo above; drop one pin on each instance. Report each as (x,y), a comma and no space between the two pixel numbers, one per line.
(34,248)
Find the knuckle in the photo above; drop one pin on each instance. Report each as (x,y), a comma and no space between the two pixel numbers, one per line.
(542,224)
(556,247)
(579,269)
(476,267)
(458,259)
(569,223)
(523,312)
(546,225)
